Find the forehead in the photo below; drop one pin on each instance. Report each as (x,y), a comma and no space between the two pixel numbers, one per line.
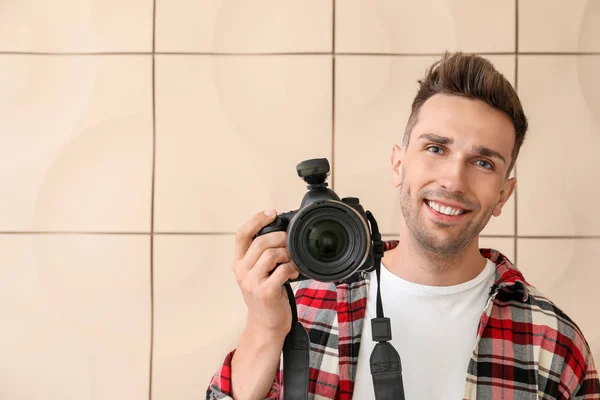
(468,122)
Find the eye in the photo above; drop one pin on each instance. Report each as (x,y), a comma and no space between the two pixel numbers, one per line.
(434,149)
(485,164)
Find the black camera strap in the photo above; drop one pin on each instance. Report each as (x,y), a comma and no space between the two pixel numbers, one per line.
(296,356)
(386,368)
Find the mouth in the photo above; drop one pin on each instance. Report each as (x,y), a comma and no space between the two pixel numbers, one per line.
(446,212)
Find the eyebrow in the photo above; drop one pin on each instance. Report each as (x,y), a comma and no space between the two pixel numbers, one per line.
(436,138)
(487,152)
(481,150)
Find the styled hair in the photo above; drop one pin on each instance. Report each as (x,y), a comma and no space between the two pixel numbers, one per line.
(474,77)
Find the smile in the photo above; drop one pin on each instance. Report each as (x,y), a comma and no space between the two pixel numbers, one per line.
(444,210)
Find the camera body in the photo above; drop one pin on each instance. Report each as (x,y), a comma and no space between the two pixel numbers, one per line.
(328,238)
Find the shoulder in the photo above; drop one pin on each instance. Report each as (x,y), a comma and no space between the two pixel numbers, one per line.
(561,345)
(539,321)
(546,313)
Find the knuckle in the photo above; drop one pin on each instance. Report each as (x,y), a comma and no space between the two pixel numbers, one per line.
(270,254)
(290,270)
(244,287)
(284,268)
(239,279)
(261,241)
(281,237)
(239,234)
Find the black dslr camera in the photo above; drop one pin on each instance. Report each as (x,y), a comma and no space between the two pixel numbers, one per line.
(328,239)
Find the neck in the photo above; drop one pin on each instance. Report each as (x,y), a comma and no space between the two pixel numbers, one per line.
(411,262)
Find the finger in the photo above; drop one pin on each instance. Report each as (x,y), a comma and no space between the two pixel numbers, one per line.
(244,235)
(281,275)
(261,244)
(267,262)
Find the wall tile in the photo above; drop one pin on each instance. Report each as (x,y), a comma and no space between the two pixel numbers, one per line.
(230,132)
(558,167)
(556,25)
(505,246)
(241,27)
(199,312)
(76,26)
(76,136)
(76,316)
(387,26)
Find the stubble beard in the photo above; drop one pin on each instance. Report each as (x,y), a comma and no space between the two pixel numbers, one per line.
(426,240)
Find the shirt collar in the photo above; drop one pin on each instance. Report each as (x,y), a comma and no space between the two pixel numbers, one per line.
(507,275)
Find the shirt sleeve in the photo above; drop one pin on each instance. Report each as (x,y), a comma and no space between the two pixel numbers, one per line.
(220,385)
(590,385)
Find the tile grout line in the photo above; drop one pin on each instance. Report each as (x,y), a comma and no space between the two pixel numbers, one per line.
(151,361)
(71,233)
(193,53)
(515,243)
(332,186)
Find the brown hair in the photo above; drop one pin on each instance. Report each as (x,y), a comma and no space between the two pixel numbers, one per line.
(474,77)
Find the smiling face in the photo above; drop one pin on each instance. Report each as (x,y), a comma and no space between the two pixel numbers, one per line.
(452,174)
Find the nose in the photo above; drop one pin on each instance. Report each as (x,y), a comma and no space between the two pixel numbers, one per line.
(453,177)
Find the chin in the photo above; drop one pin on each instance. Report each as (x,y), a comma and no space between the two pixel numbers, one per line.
(442,242)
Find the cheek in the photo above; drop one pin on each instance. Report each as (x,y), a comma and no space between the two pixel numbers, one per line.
(487,197)
(422,168)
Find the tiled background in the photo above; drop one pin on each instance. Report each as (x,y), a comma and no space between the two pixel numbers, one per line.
(137,136)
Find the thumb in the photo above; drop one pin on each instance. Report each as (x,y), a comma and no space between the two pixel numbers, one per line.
(269,213)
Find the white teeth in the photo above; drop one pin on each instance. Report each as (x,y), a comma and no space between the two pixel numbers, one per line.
(444,210)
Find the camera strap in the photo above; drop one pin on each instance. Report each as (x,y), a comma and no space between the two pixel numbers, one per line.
(296,355)
(386,369)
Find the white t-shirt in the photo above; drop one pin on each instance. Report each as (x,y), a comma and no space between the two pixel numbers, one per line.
(433,330)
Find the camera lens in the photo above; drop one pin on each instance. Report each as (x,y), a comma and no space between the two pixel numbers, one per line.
(327,240)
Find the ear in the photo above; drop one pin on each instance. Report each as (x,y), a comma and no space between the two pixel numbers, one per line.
(507,191)
(396,160)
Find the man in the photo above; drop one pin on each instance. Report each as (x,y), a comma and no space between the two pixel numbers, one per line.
(465,321)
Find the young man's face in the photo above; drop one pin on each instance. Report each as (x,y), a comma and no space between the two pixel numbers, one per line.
(452,174)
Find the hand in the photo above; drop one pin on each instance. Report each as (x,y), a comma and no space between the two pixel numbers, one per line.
(266,298)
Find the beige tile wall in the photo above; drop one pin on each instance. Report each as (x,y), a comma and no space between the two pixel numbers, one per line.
(136,136)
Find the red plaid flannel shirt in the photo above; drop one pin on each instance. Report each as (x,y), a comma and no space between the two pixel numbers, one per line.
(526,347)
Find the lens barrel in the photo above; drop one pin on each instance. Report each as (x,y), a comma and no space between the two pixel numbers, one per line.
(328,240)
